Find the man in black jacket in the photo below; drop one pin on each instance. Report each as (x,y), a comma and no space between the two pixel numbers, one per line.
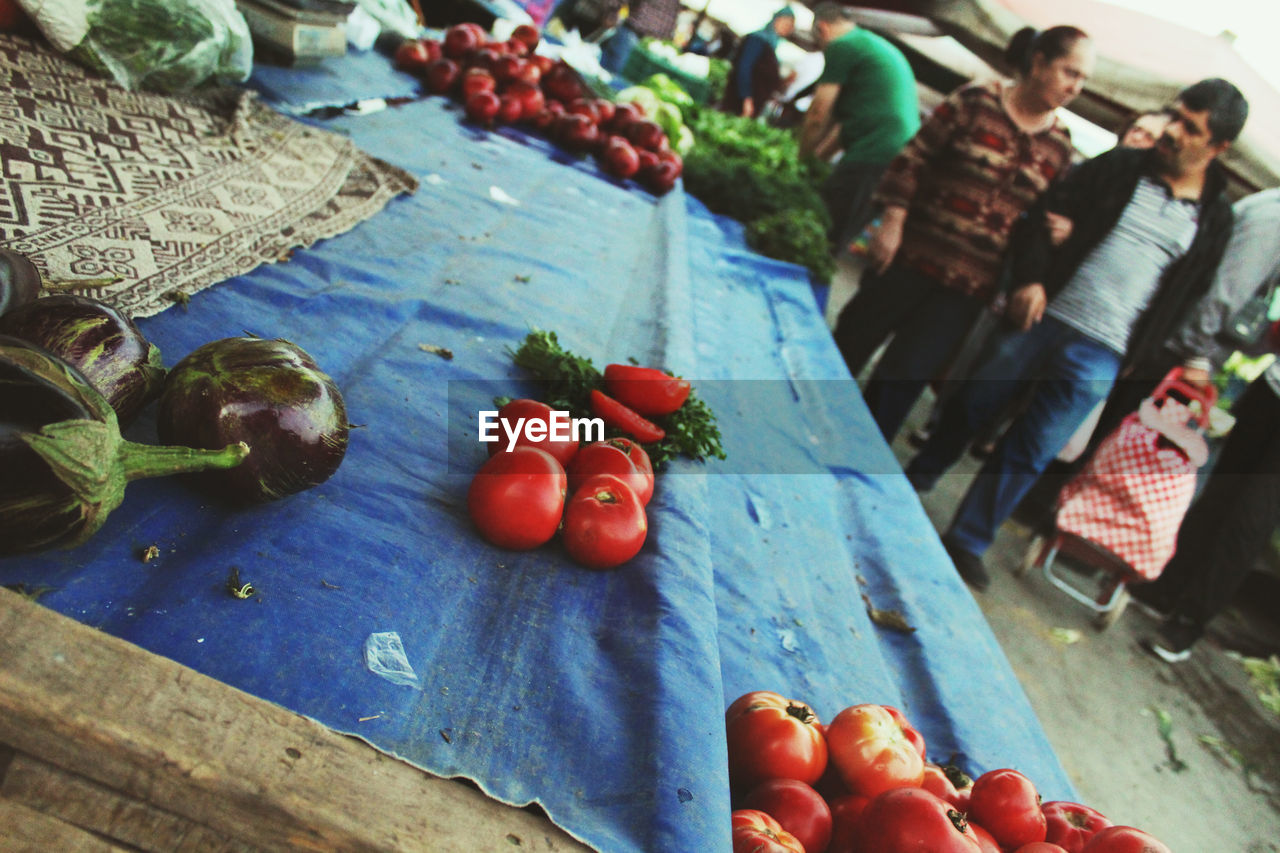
(1148,230)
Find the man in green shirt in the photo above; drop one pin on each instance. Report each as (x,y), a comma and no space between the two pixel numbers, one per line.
(866,105)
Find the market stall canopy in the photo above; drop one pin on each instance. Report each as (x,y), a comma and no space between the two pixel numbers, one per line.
(1133,74)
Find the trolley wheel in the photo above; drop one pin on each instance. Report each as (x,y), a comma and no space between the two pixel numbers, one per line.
(1108,617)
(1032,558)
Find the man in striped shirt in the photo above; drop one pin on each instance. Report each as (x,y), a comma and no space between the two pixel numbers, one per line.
(1148,230)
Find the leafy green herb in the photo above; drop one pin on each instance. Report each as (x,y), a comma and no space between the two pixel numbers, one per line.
(1264,675)
(569,380)
(754,173)
(1164,727)
(797,236)
(155,46)
(1230,755)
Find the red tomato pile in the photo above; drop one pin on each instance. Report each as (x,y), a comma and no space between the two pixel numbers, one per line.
(862,784)
(594,496)
(506,82)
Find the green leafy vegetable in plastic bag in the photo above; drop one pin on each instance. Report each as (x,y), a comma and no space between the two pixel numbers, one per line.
(160,45)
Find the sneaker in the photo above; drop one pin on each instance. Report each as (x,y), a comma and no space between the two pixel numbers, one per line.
(1173,642)
(968,565)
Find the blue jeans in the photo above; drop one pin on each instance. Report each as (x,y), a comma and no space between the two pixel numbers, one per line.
(1072,373)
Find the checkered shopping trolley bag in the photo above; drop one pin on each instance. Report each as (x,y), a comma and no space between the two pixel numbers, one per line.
(1120,515)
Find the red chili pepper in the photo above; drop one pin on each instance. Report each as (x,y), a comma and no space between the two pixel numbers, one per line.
(645,389)
(615,414)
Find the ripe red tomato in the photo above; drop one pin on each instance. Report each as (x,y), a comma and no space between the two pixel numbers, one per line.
(908,731)
(1071,825)
(646,390)
(797,807)
(660,178)
(412,56)
(620,160)
(604,523)
(941,782)
(516,499)
(510,109)
(622,417)
(1006,804)
(459,40)
(442,75)
(1124,839)
(620,457)
(511,416)
(756,832)
(482,59)
(477,80)
(772,737)
(846,810)
(1040,847)
(528,34)
(986,843)
(646,133)
(872,752)
(482,107)
(911,820)
(507,68)
(531,98)
(577,133)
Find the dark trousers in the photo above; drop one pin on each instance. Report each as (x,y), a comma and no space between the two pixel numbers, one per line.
(1231,523)
(928,322)
(847,194)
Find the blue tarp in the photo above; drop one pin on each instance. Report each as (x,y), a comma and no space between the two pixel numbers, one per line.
(599,695)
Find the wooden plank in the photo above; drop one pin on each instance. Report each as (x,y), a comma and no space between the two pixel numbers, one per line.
(105,812)
(164,734)
(24,830)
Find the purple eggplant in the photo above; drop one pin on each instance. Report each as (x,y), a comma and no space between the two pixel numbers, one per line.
(63,464)
(269,394)
(19,280)
(99,341)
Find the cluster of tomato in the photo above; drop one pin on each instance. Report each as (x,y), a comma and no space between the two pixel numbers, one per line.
(517,499)
(507,82)
(862,784)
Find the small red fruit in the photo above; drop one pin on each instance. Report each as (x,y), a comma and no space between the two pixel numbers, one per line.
(619,158)
(442,75)
(482,107)
(530,96)
(477,80)
(411,56)
(528,34)
(510,109)
(660,179)
(507,68)
(459,40)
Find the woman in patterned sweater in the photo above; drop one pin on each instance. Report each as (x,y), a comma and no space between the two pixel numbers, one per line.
(950,200)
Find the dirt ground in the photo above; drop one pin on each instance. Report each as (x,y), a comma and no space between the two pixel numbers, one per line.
(1213,784)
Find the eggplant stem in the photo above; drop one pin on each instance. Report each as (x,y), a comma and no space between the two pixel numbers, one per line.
(145,460)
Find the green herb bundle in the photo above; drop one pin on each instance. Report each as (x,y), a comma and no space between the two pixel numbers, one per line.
(569,380)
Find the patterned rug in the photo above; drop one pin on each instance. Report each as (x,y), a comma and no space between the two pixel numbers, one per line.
(151,197)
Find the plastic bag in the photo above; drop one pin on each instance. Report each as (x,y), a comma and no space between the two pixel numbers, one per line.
(384,655)
(160,45)
(394,15)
